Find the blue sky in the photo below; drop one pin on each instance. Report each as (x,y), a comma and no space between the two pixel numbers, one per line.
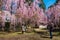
(49,3)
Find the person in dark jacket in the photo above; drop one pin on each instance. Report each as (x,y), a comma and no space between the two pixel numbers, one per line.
(50,27)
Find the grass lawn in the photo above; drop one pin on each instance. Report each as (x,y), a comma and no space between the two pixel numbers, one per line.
(27,36)
(8,35)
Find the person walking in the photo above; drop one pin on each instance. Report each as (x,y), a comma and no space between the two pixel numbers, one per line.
(23,28)
(50,27)
(7,23)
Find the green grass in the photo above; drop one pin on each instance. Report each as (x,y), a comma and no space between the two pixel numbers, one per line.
(27,36)
(13,34)
(8,35)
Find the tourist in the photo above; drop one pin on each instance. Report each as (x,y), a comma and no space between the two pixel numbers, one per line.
(23,28)
(50,27)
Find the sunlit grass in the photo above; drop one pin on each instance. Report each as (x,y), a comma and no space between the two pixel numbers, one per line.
(27,35)
(13,34)
(7,35)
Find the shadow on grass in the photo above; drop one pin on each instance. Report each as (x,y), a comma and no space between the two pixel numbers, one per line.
(43,35)
(46,35)
(56,32)
(3,33)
